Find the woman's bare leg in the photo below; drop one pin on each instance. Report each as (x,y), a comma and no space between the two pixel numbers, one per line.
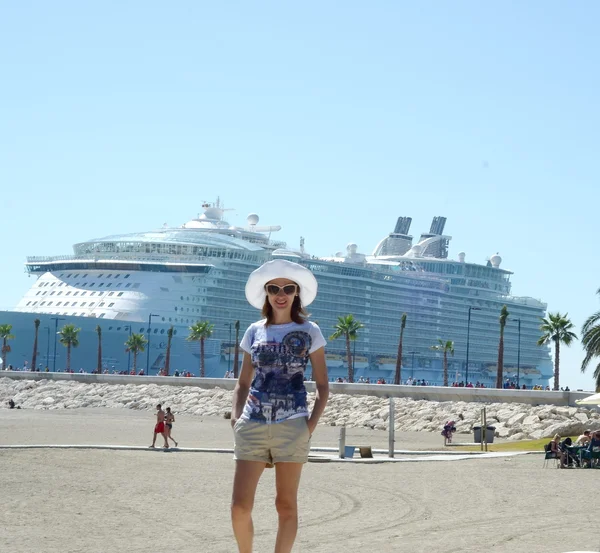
(245,481)
(287,478)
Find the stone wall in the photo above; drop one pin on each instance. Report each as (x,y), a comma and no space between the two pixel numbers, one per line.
(511,420)
(429,393)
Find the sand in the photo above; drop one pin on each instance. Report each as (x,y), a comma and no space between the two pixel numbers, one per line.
(133,501)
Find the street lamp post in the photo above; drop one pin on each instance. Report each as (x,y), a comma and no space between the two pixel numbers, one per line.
(468,335)
(55,319)
(354,357)
(129,351)
(148,344)
(519,353)
(47,347)
(412,365)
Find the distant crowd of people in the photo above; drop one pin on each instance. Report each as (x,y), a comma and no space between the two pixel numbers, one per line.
(508,383)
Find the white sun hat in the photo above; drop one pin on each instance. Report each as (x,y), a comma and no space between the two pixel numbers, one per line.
(280,268)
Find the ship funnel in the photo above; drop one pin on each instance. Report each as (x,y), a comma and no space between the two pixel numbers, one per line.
(461,257)
(403,225)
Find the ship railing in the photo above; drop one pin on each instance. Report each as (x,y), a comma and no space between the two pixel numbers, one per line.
(524,300)
(122,256)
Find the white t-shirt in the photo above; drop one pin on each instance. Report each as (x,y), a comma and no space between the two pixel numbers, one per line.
(279,354)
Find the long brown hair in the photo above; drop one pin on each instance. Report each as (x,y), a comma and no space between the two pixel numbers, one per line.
(297,314)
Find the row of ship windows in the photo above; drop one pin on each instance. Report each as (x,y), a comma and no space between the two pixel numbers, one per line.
(74,304)
(101,315)
(117,275)
(76,285)
(142,330)
(119,294)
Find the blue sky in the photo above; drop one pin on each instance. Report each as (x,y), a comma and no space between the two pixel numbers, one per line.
(329,118)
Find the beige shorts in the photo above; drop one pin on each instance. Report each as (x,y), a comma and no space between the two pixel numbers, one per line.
(284,442)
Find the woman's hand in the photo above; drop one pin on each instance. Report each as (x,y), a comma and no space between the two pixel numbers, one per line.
(311,426)
(233,421)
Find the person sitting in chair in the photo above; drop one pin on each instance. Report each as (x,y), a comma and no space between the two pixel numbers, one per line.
(585,438)
(555,449)
(569,457)
(592,448)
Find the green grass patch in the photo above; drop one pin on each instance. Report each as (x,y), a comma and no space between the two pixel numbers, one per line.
(521,445)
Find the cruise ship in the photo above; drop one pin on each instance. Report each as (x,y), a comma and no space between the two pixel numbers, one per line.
(145,282)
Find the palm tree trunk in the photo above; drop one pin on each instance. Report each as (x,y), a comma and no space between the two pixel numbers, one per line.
(4,351)
(168,356)
(202,370)
(68,356)
(350,360)
(500,372)
(168,359)
(445,368)
(236,352)
(34,354)
(556,365)
(99,367)
(135,361)
(398,374)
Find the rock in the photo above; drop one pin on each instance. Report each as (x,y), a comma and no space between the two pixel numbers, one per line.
(581,417)
(531,419)
(515,419)
(537,434)
(502,432)
(48,401)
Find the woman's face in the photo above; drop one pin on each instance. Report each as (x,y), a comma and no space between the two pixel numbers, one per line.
(281,293)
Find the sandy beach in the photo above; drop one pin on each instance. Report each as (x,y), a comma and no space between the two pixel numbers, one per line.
(77,501)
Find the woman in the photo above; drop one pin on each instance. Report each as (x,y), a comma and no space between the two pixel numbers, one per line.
(449,429)
(169,420)
(270,417)
(555,448)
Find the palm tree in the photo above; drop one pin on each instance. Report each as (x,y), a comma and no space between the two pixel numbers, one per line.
(398,374)
(5,334)
(69,337)
(348,327)
(500,370)
(236,351)
(99,363)
(590,339)
(557,328)
(36,323)
(199,332)
(447,348)
(136,343)
(168,354)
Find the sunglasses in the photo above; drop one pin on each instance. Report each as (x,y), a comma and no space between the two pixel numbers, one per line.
(288,289)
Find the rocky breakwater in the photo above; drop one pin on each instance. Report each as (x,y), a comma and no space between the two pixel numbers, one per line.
(514,421)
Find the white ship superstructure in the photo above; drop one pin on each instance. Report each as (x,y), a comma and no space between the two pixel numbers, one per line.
(146,282)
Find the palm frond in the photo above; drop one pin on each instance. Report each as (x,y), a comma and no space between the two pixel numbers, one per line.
(348,326)
(200,331)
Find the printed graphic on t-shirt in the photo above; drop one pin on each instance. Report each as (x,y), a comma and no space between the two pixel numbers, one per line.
(277,392)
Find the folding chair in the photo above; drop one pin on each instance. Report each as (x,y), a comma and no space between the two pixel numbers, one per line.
(592,456)
(551,455)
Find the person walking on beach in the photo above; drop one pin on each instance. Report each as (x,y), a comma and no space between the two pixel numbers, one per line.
(169,420)
(271,422)
(159,427)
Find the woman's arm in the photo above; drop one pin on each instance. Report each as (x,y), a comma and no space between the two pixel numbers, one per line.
(319,374)
(240,392)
